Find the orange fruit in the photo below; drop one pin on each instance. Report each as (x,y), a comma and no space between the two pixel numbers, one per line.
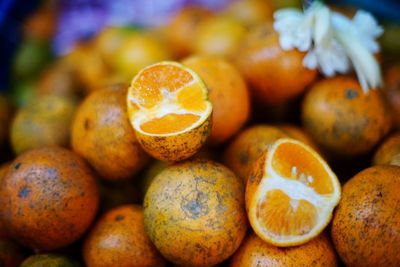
(254,252)
(3,171)
(184,24)
(342,118)
(298,133)
(168,108)
(118,238)
(11,254)
(290,194)
(194,213)
(102,134)
(250,12)
(53,260)
(218,36)
(247,147)
(48,198)
(6,113)
(366,223)
(228,94)
(138,50)
(275,75)
(389,151)
(45,121)
(392,92)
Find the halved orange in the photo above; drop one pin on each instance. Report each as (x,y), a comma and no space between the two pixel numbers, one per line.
(290,194)
(169,110)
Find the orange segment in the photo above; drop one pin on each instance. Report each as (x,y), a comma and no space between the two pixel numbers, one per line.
(169,110)
(170,123)
(291,195)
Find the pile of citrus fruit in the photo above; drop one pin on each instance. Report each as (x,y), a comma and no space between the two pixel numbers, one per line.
(198,143)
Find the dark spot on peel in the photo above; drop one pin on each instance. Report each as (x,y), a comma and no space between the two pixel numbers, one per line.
(17,165)
(351,93)
(119,218)
(86,124)
(24,192)
(244,158)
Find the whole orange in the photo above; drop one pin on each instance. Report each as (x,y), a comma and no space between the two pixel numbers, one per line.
(275,75)
(228,94)
(184,24)
(119,239)
(48,198)
(194,213)
(218,36)
(254,252)
(102,134)
(342,118)
(366,223)
(389,151)
(247,147)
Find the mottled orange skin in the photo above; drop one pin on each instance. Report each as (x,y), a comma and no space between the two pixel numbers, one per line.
(228,94)
(45,121)
(182,25)
(6,112)
(11,254)
(49,260)
(389,151)
(102,134)
(194,213)
(366,223)
(3,171)
(177,147)
(219,36)
(48,198)
(247,147)
(342,118)
(392,92)
(118,239)
(254,252)
(275,75)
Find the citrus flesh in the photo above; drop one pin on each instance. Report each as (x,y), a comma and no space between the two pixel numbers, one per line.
(290,194)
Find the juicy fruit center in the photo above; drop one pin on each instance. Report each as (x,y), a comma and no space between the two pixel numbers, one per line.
(167,99)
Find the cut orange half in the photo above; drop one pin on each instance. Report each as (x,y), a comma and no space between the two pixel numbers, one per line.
(169,110)
(290,194)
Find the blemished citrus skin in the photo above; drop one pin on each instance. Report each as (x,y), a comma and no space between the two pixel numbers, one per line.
(53,260)
(228,94)
(342,118)
(45,121)
(254,252)
(194,213)
(389,151)
(274,75)
(366,223)
(102,134)
(3,171)
(247,147)
(133,248)
(48,198)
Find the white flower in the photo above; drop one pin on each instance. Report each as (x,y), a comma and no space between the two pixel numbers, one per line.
(333,42)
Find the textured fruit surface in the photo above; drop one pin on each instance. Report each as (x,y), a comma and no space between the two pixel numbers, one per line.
(45,121)
(290,194)
(194,213)
(342,118)
(254,252)
(228,94)
(102,134)
(119,239)
(169,110)
(275,75)
(48,198)
(247,147)
(366,223)
(50,260)
(389,151)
